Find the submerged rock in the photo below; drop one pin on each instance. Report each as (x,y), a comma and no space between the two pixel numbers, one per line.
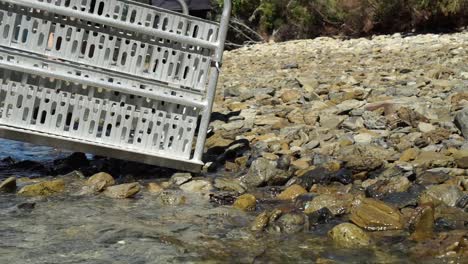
(448,194)
(122,191)
(337,203)
(154,187)
(197,186)
(43,188)
(375,215)
(422,223)
(349,236)
(8,185)
(246,202)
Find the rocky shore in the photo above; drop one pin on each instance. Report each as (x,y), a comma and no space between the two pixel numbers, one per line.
(361,144)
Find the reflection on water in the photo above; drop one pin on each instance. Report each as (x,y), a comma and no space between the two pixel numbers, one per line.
(25,151)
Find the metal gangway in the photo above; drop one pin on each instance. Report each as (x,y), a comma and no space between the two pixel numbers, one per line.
(114,78)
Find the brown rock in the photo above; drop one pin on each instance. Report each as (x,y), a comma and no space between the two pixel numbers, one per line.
(375,215)
(100,181)
(290,95)
(349,236)
(43,188)
(122,191)
(154,187)
(338,204)
(461,158)
(260,222)
(422,223)
(409,154)
(246,202)
(8,185)
(292,192)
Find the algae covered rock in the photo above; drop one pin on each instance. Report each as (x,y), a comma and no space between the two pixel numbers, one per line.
(43,188)
(349,236)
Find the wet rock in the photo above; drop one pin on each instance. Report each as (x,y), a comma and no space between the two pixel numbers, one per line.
(404,199)
(228,184)
(409,155)
(292,192)
(375,215)
(384,187)
(338,204)
(260,222)
(122,191)
(448,194)
(180,178)
(349,236)
(422,223)
(463,202)
(432,159)
(320,217)
(8,185)
(426,127)
(153,187)
(197,186)
(75,161)
(288,223)
(461,121)
(99,181)
(246,202)
(43,188)
(262,172)
(172,198)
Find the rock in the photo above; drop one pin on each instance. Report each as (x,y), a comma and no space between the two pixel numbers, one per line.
(292,192)
(290,95)
(338,204)
(309,84)
(320,217)
(387,186)
(228,184)
(197,186)
(363,157)
(260,222)
(425,127)
(353,123)
(122,191)
(172,198)
(437,135)
(180,178)
(8,185)
(373,120)
(363,138)
(246,202)
(154,187)
(409,154)
(411,117)
(43,188)
(448,194)
(263,171)
(432,159)
(349,236)
(421,223)
(461,158)
(348,105)
(99,181)
(374,215)
(461,121)
(331,121)
(289,223)
(430,178)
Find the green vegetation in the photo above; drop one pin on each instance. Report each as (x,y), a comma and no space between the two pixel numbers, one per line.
(291,19)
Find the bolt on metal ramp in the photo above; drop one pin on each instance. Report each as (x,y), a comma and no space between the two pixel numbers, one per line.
(111,77)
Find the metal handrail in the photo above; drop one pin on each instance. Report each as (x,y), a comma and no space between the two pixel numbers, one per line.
(184,6)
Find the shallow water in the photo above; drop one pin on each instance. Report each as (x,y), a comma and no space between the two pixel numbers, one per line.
(72,228)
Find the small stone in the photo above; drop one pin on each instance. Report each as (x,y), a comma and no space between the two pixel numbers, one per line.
(228,184)
(338,204)
(374,215)
(246,202)
(409,154)
(8,185)
(425,127)
(154,187)
(349,236)
(180,178)
(122,191)
(43,188)
(331,121)
(461,158)
(197,186)
(260,222)
(301,164)
(363,138)
(292,192)
(363,157)
(448,194)
(172,198)
(290,95)
(100,181)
